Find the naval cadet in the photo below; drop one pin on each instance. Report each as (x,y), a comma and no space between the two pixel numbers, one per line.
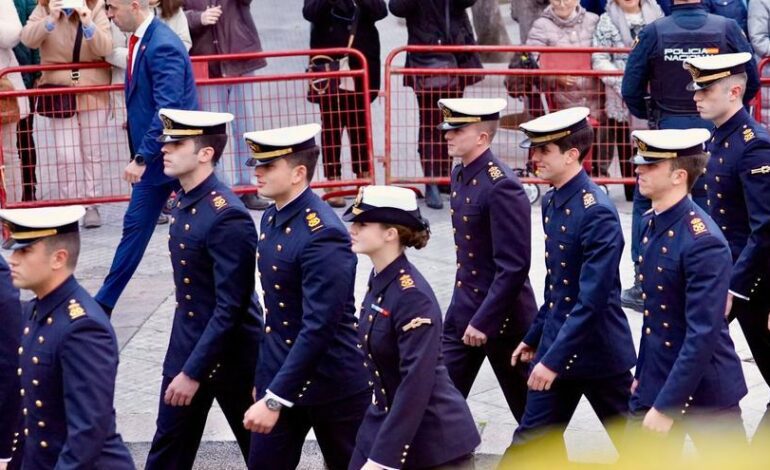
(212,240)
(492,304)
(417,419)
(655,63)
(68,358)
(309,373)
(10,335)
(738,185)
(580,343)
(688,378)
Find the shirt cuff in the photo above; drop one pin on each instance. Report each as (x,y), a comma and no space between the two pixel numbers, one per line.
(740,296)
(286,403)
(381,465)
(49,26)
(5,460)
(88,31)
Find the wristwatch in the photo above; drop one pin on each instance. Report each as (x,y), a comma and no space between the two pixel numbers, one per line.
(273,404)
(138,159)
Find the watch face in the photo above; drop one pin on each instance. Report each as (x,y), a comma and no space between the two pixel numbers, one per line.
(273,404)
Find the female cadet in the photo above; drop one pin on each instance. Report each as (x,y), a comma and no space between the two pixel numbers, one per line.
(418,419)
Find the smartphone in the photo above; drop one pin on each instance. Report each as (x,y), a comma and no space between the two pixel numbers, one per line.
(72,4)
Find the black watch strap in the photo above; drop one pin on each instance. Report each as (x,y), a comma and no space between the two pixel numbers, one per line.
(139,160)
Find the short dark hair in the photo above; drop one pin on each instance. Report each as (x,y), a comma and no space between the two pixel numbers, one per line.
(490,127)
(216,141)
(693,165)
(70,242)
(307,158)
(582,140)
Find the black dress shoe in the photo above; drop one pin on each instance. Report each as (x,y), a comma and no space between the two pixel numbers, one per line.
(254,202)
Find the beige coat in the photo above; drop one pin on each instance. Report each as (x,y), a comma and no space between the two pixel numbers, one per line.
(56,48)
(10,34)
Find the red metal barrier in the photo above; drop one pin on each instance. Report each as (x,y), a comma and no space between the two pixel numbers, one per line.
(762,101)
(413,150)
(81,159)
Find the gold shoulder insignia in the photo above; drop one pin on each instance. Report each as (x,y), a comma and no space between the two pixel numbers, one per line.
(219,202)
(416,323)
(495,173)
(748,134)
(406,281)
(763,170)
(75,310)
(313,221)
(698,226)
(588,200)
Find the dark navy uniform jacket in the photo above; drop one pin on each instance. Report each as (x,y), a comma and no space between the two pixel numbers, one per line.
(68,360)
(417,419)
(492,232)
(581,330)
(656,60)
(217,321)
(308,354)
(738,184)
(686,357)
(10,334)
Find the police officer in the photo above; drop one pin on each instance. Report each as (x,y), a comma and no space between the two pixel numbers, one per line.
(738,185)
(68,356)
(417,419)
(309,373)
(580,343)
(688,371)
(656,62)
(217,321)
(10,334)
(492,304)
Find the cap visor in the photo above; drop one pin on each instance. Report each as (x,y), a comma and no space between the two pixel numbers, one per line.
(13,244)
(165,139)
(640,160)
(445,126)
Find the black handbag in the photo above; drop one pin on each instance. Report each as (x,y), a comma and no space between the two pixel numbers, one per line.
(324,88)
(436,61)
(520,86)
(62,105)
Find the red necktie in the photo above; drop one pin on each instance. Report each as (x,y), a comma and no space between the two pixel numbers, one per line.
(131,44)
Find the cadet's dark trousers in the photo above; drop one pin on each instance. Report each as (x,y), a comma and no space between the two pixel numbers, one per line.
(335,425)
(549,411)
(715,433)
(179,428)
(139,221)
(340,112)
(431,145)
(464,362)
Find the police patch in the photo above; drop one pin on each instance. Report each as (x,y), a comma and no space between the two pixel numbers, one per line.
(416,323)
(75,310)
(588,200)
(495,173)
(313,222)
(406,281)
(748,134)
(219,202)
(698,227)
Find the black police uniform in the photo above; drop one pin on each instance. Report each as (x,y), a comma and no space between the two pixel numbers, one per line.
(417,418)
(738,185)
(580,332)
(68,361)
(492,232)
(10,334)
(308,356)
(217,320)
(687,362)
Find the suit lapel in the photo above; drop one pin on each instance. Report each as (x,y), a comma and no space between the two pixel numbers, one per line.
(143,44)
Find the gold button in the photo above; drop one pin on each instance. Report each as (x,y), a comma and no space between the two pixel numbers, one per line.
(660,288)
(187,226)
(277,287)
(26,432)
(181,246)
(21,392)
(568,299)
(563,264)
(662,307)
(268,329)
(194,211)
(288,341)
(641,277)
(467,200)
(566,282)
(188,297)
(35,360)
(670,233)
(646,313)
(262,236)
(43,444)
(721,211)
(644,296)
(467,237)
(35,382)
(668,344)
(664,249)
(645,240)
(454,193)
(279,247)
(49,321)
(567,211)
(465,218)
(546,219)
(459,284)
(26,330)
(470,255)
(21,350)
(18,371)
(371,317)
(186,280)
(288,230)
(550,305)
(660,269)
(641,258)
(665,324)
(38,403)
(190,314)
(474,272)
(563,228)
(281,304)
(41,424)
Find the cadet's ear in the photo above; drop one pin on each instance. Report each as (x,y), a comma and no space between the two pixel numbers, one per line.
(59,258)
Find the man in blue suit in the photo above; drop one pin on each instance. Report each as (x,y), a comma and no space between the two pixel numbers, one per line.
(158,75)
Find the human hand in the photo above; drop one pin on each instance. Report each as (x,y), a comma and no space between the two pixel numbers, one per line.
(181,390)
(656,421)
(541,378)
(133,172)
(523,353)
(259,418)
(211,15)
(474,337)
